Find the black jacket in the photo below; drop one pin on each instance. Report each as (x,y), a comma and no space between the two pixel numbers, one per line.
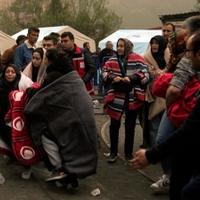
(183,145)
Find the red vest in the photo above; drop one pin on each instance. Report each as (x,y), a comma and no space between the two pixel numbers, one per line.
(79,66)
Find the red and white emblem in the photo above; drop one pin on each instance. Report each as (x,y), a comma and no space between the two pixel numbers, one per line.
(27,152)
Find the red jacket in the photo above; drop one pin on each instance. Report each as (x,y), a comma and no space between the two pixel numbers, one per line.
(179,110)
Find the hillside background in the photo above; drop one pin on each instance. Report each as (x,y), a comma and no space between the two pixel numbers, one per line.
(141,13)
(144,13)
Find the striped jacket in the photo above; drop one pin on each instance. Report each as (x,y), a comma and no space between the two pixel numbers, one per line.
(137,71)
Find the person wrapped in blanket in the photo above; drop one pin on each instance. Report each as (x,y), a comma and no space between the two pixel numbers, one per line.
(126,77)
(11,79)
(62,120)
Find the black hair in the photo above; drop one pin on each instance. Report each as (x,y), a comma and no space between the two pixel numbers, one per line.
(85,44)
(20,38)
(18,74)
(33,29)
(59,61)
(192,23)
(159,56)
(54,34)
(195,43)
(52,38)
(40,51)
(68,34)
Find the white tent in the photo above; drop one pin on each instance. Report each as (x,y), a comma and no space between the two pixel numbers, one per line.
(6,41)
(44,31)
(139,37)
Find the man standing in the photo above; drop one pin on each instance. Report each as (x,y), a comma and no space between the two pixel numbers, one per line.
(82,60)
(106,53)
(23,53)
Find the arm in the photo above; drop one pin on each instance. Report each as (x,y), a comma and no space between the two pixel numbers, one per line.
(142,75)
(89,67)
(18,57)
(182,74)
(182,137)
(172,94)
(108,75)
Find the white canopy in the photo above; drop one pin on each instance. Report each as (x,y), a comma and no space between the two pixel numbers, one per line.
(6,41)
(44,31)
(139,37)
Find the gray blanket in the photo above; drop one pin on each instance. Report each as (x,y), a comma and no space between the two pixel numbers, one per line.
(64,109)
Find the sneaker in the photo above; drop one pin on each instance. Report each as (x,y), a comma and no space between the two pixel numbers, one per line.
(112,158)
(106,154)
(56,175)
(162,185)
(26,174)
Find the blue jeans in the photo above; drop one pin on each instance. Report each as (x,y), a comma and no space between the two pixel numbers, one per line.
(165,130)
(154,124)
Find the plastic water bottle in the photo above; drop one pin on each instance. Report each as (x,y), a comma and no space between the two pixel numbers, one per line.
(2,179)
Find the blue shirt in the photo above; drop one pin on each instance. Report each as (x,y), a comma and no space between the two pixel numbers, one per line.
(23,55)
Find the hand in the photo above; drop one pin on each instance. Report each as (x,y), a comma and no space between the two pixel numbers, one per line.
(36,85)
(139,161)
(117,79)
(152,70)
(126,79)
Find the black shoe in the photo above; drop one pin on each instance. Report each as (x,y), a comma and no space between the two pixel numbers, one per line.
(112,158)
(70,180)
(128,157)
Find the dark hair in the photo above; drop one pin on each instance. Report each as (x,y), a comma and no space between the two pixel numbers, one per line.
(40,51)
(15,68)
(33,29)
(109,42)
(192,23)
(20,38)
(159,56)
(52,38)
(59,61)
(170,24)
(85,44)
(161,41)
(54,34)
(68,34)
(195,43)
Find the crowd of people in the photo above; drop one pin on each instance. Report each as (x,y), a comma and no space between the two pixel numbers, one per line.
(46,95)
(36,81)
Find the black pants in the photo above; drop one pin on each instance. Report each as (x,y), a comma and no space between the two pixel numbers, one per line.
(130,122)
(191,190)
(181,173)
